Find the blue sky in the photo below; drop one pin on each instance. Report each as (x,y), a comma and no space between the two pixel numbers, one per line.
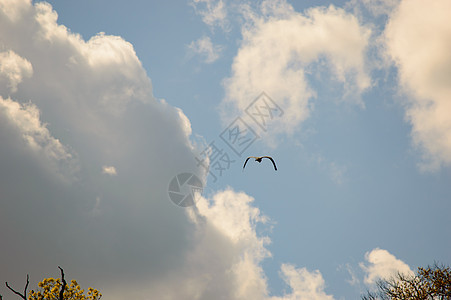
(102,103)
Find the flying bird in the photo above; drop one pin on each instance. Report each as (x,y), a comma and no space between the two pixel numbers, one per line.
(259,159)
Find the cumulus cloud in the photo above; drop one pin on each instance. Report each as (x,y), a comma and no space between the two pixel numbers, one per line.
(85,103)
(381,264)
(228,254)
(281,49)
(88,106)
(225,261)
(204,47)
(417,40)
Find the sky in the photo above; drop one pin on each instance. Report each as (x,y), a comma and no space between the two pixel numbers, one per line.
(111,112)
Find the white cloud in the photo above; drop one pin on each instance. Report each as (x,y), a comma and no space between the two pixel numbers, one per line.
(304,285)
(24,120)
(14,9)
(417,40)
(85,103)
(92,100)
(213,12)
(354,280)
(13,69)
(381,264)
(279,51)
(204,47)
(229,246)
(226,258)
(109,170)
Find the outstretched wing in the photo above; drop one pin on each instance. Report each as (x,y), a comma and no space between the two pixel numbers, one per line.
(275,168)
(247,160)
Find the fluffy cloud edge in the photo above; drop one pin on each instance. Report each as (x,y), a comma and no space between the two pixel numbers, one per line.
(279,51)
(416,41)
(206,49)
(26,121)
(381,264)
(13,69)
(213,12)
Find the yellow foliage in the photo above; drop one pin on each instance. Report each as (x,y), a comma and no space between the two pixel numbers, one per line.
(50,289)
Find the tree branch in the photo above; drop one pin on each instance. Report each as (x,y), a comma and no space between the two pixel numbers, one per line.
(26,286)
(64,284)
(17,293)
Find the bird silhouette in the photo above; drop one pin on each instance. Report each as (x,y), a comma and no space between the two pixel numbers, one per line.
(259,159)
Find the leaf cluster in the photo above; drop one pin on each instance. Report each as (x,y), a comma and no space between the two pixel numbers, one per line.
(50,290)
(56,289)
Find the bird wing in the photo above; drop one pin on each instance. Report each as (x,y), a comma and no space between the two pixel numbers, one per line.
(275,168)
(247,160)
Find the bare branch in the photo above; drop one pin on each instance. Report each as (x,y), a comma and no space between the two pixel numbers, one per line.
(429,283)
(16,292)
(26,286)
(64,284)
